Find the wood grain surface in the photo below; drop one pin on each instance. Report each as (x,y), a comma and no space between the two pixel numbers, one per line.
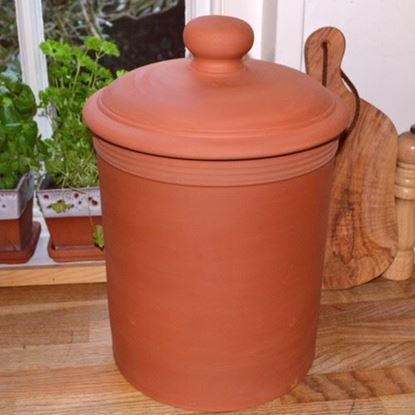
(55,355)
(52,274)
(362,238)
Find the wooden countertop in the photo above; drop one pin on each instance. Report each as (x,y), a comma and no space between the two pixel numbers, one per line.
(55,355)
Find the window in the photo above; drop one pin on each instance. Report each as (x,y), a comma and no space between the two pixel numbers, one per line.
(145,31)
(9,45)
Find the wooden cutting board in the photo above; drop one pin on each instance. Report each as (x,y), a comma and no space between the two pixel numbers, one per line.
(362,237)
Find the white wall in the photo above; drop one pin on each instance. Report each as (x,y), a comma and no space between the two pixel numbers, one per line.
(260,14)
(380,34)
(380,50)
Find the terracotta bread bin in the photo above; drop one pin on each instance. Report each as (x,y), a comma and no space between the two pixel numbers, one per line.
(215,176)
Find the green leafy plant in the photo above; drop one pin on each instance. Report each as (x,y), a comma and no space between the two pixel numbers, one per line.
(21,148)
(75,73)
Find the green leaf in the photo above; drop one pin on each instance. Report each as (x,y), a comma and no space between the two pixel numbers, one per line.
(30,133)
(8,113)
(48,47)
(110,48)
(86,62)
(9,182)
(120,72)
(99,45)
(19,138)
(61,206)
(25,102)
(10,82)
(93,43)
(98,236)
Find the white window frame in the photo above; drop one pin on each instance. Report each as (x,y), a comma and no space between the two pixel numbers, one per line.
(32,61)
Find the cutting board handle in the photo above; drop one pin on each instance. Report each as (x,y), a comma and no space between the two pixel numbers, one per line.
(327,46)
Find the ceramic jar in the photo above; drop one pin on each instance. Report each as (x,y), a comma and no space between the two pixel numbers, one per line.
(215,176)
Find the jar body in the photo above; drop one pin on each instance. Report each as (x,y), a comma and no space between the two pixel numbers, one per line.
(213,287)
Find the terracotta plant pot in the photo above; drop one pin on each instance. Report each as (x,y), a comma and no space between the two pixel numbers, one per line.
(215,250)
(71,227)
(18,233)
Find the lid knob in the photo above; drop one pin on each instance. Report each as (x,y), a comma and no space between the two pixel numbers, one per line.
(218,43)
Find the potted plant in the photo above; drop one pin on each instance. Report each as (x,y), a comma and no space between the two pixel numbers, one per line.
(69,195)
(20,154)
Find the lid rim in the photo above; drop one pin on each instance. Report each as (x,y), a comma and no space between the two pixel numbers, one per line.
(171,144)
(251,132)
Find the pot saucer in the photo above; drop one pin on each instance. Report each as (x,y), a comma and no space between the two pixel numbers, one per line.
(23,255)
(75,253)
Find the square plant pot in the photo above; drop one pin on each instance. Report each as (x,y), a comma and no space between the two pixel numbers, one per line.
(18,233)
(71,215)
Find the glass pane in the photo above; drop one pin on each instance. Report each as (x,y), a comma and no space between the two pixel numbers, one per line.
(145,31)
(9,46)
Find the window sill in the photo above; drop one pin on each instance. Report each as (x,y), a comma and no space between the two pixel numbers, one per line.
(42,270)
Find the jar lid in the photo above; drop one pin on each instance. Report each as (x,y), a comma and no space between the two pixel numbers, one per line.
(217,104)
